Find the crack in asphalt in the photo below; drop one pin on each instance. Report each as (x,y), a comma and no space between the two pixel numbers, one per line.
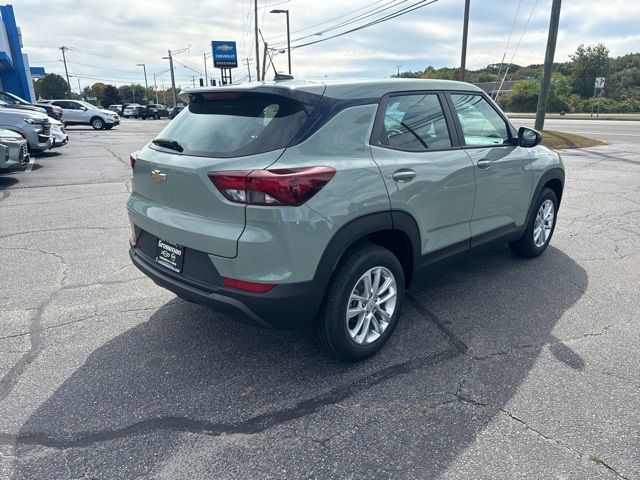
(79,320)
(62,200)
(613,158)
(9,379)
(538,432)
(62,229)
(252,425)
(448,334)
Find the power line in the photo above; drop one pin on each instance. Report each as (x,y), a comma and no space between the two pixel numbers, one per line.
(102,68)
(274,4)
(404,11)
(89,52)
(328,21)
(187,66)
(362,16)
(515,18)
(517,47)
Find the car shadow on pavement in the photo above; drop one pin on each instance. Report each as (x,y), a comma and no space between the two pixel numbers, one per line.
(7,181)
(188,371)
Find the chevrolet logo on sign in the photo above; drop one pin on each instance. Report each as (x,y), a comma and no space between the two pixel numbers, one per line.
(225,54)
(158,176)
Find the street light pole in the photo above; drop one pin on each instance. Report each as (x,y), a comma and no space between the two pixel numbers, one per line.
(206,80)
(288,35)
(146,85)
(255,25)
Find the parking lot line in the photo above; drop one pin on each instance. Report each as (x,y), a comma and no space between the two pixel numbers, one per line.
(32,160)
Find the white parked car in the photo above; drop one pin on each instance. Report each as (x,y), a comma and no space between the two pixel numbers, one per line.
(59,133)
(77,112)
(130,109)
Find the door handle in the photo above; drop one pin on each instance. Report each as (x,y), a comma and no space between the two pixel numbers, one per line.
(403,175)
(484,164)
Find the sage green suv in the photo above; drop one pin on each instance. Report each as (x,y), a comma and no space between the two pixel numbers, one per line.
(298,204)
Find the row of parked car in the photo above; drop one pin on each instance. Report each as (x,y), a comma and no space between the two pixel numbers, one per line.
(152,110)
(27,128)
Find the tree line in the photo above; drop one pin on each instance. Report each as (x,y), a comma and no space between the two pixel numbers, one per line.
(53,85)
(572,82)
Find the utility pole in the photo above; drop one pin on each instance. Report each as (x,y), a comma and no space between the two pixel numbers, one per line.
(465,32)
(264,61)
(79,88)
(548,64)
(247,62)
(66,72)
(155,87)
(398,68)
(255,22)
(173,80)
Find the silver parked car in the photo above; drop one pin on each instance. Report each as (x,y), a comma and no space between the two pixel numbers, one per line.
(35,127)
(14,153)
(76,112)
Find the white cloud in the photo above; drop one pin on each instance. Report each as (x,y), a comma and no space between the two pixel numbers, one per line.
(142,31)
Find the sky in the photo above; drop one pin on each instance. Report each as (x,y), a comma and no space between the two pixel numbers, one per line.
(107,39)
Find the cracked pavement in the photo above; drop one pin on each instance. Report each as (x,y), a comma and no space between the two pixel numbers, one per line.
(500,367)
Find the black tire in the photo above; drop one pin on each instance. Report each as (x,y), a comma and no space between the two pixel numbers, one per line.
(330,327)
(525,246)
(108,127)
(97,123)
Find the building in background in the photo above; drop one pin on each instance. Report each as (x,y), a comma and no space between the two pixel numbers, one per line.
(15,74)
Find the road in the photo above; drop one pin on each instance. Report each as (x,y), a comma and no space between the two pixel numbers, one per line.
(610,131)
(499,368)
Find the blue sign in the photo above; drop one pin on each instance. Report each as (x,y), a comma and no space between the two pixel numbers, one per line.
(37,72)
(225,54)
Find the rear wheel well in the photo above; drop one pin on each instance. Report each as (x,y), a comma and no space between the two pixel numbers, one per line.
(399,244)
(555,184)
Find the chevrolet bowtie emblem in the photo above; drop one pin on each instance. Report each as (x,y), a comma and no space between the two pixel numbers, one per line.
(158,176)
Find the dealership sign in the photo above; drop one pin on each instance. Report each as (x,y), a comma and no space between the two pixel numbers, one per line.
(225,54)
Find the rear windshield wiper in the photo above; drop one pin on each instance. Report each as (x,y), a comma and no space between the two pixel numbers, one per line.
(166,143)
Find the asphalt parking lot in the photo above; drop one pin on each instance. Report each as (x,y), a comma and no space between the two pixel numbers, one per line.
(500,367)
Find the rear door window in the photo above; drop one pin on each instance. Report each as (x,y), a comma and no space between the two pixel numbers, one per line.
(233,124)
(415,123)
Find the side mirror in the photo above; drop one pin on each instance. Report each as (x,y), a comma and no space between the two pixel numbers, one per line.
(528,137)
(84,109)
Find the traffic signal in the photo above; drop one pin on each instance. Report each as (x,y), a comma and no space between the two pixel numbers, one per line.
(201,82)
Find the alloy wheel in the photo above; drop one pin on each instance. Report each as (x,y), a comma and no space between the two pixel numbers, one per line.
(371,305)
(544,223)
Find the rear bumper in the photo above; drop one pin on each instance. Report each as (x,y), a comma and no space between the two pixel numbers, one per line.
(287,306)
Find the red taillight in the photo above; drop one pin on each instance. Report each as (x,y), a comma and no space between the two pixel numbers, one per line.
(293,186)
(248,286)
(132,159)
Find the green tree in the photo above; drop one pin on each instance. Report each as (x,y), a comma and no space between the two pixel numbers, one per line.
(110,96)
(51,85)
(587,64)
(523,96)
(133,93)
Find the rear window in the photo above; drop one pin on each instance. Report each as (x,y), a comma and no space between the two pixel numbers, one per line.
(234,124)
